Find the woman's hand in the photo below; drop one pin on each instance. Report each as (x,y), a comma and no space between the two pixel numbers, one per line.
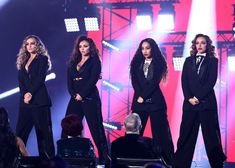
(78,97)
(27,97)
(140,100)
(194,101)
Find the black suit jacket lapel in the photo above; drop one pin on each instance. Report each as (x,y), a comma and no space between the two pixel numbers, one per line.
(203,66)
(141,72)
(150,71)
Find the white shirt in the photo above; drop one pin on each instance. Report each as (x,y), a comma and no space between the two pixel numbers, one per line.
(201,54)
(147,62)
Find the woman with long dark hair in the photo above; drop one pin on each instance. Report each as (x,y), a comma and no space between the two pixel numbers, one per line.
(10,145)
(200,107)
(148,69)
(33,62)
(84,69)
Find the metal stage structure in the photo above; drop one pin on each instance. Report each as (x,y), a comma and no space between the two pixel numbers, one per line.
(109,10)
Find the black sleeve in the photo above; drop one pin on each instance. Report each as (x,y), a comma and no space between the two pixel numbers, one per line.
(149,88)
(210,82)
(41,76)
(184,81)
(22,86)
(70,82)
(94,77)
(135,81)
(113,154)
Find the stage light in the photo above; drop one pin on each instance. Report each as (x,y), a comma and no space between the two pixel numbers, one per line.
(178,63)
(17,89)
(71,25)
(81,16)
(3,2)
(206,17)
(231,63)
(110,85)
(166,17)
(231,58)
(165,22)
(144,22)
(105,43)
(9,92)
(91,23)
(113,125)
(91,17)
(50,76)
(144,17)
(233,30)
(177,58)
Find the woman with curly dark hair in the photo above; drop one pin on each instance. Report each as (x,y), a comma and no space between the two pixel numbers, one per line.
(33,63)
(148,69)
(10,145)
(200,107)
(84,69)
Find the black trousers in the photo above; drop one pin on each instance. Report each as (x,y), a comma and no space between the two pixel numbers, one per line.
(160,132)
(40,117)
(91,109)
(189,128)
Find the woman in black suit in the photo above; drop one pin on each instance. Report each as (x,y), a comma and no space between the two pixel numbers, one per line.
(199,108)
(148,68)
(33,62)
(84,69)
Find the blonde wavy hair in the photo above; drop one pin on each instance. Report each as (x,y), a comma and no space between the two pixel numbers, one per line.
(23,54)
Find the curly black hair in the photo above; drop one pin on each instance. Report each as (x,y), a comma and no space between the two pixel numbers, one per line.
(157,57)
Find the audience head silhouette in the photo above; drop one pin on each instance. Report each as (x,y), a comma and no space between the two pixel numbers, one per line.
(8,150)
(4,121)
(72,125)
(132,124)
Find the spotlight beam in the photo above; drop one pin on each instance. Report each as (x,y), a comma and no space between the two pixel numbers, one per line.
(111,85)
(107,125)
(17,89)
(110,45)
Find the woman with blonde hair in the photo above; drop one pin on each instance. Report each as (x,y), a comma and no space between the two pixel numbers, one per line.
(33,62)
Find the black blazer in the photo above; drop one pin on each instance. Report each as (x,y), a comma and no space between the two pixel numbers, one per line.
(200,85)
(77,147)
(84,81)
(148,88)
(132,146)
(33,81)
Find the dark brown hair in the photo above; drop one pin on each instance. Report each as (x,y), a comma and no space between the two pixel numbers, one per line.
(72,125)
(76,55)
(210,49)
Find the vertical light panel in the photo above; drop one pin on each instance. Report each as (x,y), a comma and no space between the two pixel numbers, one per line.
(202,20)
